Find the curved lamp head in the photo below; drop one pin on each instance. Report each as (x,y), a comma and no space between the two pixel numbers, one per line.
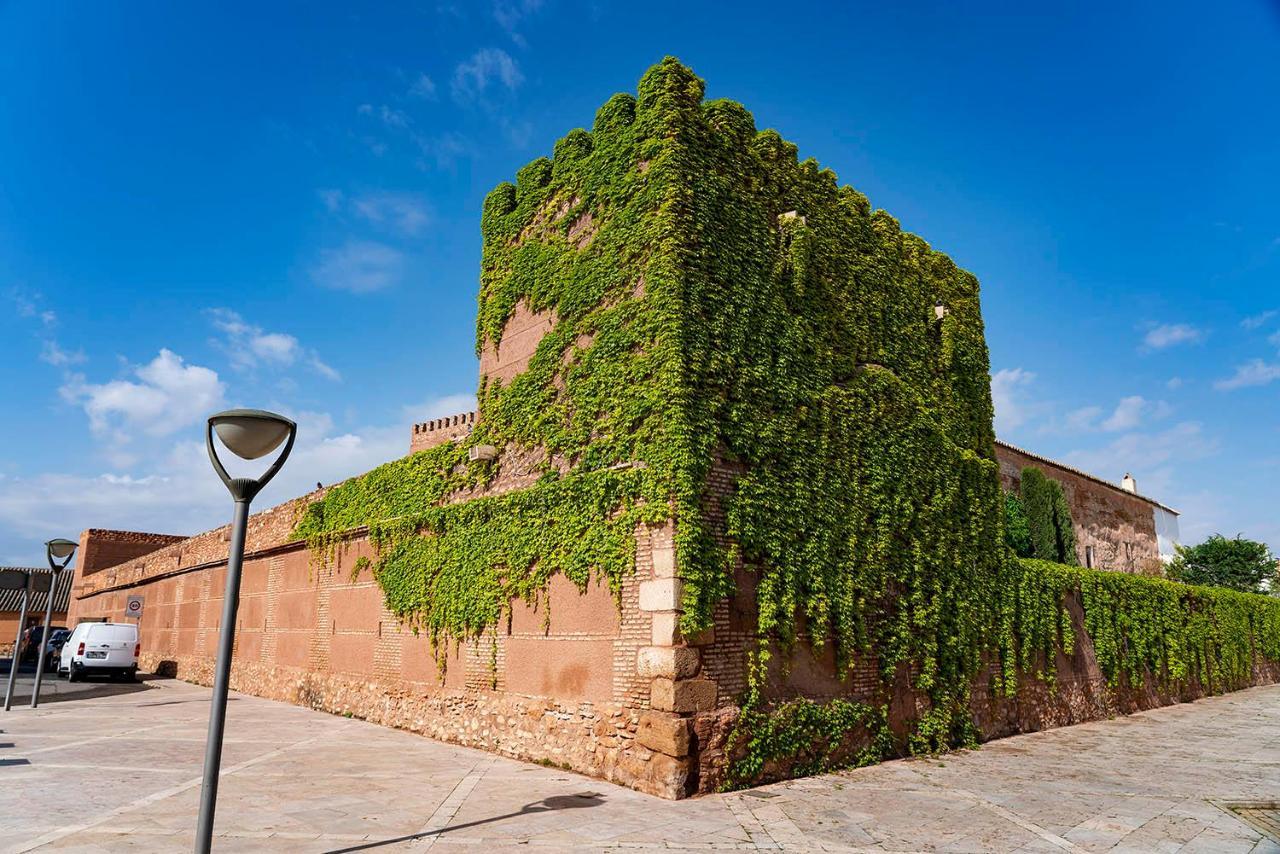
(60,550)
(249,434)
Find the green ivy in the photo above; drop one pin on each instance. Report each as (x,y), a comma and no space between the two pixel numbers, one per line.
(714,300)
(1051,532)
(1146,632)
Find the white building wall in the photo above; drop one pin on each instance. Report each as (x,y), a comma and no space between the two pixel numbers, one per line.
(1166,533)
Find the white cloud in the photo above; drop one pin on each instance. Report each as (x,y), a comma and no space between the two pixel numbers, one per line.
(1274,338)
(1171,334)
(1132,411)
(1254,372)
(389,116)
(445,150)
(249,346)
(423,87)
(438,407)
(405,213)
(472,78)
(180,494)
(332,199)
(359,266)
(1259,319)
(169,395)
(1151,457)
(511,13)
(1174,383)
(1006,395)
(1082,420)
(53,354)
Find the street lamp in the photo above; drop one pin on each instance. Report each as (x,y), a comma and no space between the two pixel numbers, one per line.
(59,553)
(249,434)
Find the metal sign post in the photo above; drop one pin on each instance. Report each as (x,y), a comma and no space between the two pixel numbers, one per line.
(133,608)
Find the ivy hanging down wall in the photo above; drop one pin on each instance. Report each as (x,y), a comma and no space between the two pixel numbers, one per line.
(1149,637)
(712,296)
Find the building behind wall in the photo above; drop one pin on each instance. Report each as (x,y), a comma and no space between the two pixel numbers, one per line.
(11,608)
(1116,528)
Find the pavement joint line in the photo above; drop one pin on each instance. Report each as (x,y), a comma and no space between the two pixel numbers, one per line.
(154,797)
(1008,815)
(94,740)
(448,808)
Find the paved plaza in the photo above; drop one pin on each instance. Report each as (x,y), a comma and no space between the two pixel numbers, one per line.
(116,768)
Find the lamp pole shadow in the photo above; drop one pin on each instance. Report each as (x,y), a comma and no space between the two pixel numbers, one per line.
(549,804)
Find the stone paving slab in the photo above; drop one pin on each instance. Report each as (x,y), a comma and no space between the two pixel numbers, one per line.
(119,771)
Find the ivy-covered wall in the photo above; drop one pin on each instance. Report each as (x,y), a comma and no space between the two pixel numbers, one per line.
(711,297)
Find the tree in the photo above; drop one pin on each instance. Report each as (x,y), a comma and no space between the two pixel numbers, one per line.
(1016,533)
(1236,563)
(1051,532)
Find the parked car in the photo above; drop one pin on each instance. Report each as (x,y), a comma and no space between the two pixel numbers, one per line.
(53,649)
(101,649)
(31,641)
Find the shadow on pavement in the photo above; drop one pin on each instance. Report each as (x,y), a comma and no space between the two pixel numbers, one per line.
(555,802)
(56,689)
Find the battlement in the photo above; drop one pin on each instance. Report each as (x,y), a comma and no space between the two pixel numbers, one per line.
(428,434)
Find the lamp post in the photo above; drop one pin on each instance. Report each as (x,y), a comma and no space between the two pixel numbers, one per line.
(55,551)
(249,434)
(28,580)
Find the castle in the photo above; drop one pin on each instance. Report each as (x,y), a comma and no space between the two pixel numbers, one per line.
(730,509)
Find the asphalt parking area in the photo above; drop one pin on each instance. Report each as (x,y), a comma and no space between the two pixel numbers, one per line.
(110,767)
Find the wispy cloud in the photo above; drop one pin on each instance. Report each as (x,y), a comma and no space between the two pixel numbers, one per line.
(406,213)
(442,151)
(1166,335)
(389,116)
(52,353)
(474,77)
(1007,395)
(29,305)
(423,87)
(1149,456)
(403,213)
(510,14)
(249,346)
(1254,372)
(1133,411)
(359,266)
(1259,319)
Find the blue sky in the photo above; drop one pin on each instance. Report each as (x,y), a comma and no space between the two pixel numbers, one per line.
(279,207)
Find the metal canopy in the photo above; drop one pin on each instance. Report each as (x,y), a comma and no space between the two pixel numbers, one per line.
(16,579)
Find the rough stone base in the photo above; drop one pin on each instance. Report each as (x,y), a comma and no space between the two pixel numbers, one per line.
(596,739)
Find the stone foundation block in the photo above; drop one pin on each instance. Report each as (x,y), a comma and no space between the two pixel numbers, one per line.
(673,662)
(664,733)
(682,695)
(661,594)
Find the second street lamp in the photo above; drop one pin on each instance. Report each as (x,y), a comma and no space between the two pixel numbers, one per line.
(249,434)
(59,553)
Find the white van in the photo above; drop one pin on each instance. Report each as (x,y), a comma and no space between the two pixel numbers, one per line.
(107,649)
